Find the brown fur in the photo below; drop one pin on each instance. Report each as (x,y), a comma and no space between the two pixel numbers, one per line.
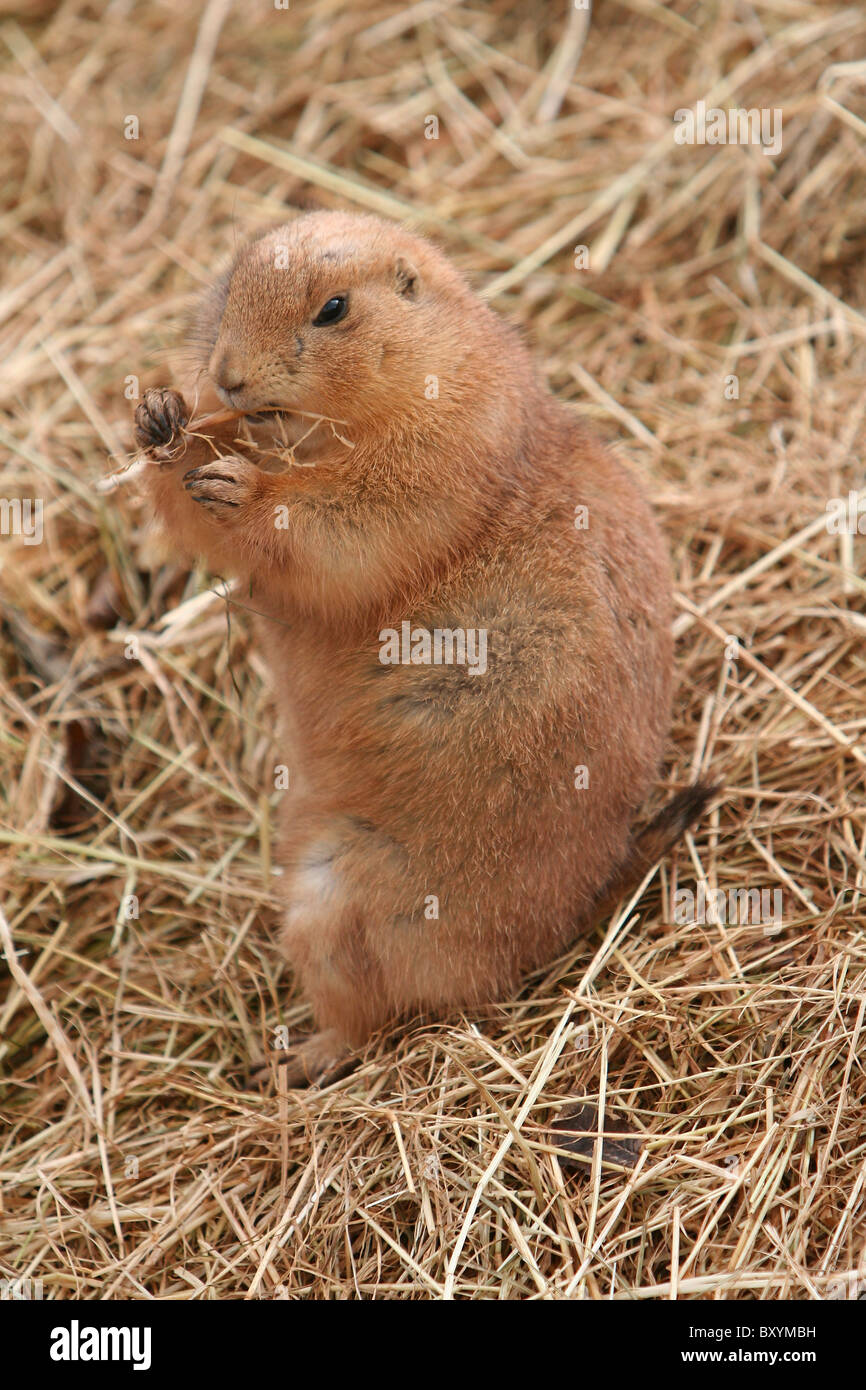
(458,512)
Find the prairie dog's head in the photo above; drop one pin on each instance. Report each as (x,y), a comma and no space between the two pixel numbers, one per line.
(335,314)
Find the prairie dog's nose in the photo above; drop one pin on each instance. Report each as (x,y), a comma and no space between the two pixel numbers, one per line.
(226,370)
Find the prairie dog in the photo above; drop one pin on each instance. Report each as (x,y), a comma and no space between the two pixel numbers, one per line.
(465,607)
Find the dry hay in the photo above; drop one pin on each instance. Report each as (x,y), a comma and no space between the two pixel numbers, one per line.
(132,1162)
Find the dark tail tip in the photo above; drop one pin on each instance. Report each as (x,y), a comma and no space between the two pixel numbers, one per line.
(682,811)
(669,825)
(655,840)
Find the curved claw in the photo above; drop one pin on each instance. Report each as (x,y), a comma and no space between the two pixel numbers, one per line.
(160,417)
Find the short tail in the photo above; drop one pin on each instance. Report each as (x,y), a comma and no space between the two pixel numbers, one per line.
(653,842)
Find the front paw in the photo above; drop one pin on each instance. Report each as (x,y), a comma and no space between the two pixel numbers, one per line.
(224,485)
(160,419)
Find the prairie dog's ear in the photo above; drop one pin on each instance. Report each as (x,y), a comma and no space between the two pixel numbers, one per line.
(407,281)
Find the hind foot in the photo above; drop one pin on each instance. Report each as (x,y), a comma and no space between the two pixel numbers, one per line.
(307,1061)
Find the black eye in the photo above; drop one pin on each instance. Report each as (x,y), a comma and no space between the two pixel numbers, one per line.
(332,312)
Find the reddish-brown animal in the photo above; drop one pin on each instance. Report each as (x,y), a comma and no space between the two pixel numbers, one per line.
(440,836)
